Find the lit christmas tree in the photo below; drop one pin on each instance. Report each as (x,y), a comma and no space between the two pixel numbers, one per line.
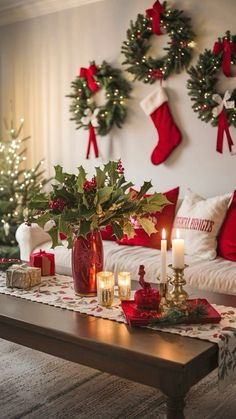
(17,187)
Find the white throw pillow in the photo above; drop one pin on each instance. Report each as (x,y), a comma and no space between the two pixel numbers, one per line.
(199,221)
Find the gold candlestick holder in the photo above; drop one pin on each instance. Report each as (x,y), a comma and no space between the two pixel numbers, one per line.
(177,296)
(163,287)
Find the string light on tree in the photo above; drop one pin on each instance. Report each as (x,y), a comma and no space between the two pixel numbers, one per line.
(14,193)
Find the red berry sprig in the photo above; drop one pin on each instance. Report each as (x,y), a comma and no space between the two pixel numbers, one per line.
(90,185)
(120,168)
(58,204)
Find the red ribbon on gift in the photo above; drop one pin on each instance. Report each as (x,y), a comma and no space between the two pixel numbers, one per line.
(43,260)
(92,141)
(88,74)
(223,128)
(228,48)
(154,14)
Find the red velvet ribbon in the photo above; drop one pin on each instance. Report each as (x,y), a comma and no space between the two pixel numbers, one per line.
(157,74)
(223,128)
(228,49)
(92,142)
(88,74)
(155,13)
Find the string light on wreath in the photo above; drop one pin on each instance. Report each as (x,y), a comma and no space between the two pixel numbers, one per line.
(218,109)
(158,20)
(84,109)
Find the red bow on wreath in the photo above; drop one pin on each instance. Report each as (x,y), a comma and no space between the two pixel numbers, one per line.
(88,74)
(228,48)
(219,112)
(154,14)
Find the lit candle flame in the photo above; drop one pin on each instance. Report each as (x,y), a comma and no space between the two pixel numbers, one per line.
(177,234)
(163,234)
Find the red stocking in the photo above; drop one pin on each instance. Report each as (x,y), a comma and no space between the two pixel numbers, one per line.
(155,105)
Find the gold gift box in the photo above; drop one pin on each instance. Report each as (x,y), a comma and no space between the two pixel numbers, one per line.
(23,276)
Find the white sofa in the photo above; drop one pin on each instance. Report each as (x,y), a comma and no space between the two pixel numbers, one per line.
(218,275)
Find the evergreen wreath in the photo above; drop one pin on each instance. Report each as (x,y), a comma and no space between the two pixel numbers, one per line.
(179,51)
(203,80)
(85,110)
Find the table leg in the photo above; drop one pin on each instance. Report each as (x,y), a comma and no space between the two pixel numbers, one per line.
(175,407)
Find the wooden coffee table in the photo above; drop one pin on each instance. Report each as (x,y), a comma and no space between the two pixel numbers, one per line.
(166,361)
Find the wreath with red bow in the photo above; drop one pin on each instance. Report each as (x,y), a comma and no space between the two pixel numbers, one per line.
(86,113)
(158,20)
(211,106)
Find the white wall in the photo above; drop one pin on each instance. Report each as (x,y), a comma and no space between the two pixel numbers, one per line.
(41,56)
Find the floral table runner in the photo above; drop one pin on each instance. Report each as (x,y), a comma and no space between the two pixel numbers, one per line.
(58,291)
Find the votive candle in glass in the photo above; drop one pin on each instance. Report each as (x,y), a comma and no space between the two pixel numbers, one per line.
(124,285)
(105,288)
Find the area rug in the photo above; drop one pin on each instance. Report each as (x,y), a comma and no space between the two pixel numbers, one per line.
(34,385)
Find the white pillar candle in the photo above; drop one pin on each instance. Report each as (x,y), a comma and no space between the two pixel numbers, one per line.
(124,285)
(163,256)
(178,252)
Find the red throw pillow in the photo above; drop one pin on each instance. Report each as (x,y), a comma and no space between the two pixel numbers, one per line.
(107,233)
(227,236)
(163,219)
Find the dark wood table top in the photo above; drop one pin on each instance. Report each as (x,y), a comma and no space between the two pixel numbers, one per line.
(163,360)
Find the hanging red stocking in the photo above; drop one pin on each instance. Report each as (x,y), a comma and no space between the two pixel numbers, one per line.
(169,135)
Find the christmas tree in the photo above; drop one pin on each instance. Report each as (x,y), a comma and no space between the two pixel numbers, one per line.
(17,186)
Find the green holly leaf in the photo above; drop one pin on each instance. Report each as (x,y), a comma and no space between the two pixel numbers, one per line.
(39,201)
(100,177)
(145,187)
(154,203)
(42,219)
(117,230)
(54,236)
(81,178)
(63,226)
(147,225)
(85,227)
(129,230)
(59,175)
(103,195)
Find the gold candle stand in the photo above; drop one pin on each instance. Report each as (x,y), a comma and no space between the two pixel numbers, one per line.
(162,287)
(177,296)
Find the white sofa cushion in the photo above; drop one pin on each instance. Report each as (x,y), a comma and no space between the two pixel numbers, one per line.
(199,221)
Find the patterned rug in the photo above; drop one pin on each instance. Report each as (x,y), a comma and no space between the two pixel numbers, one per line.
(38,386)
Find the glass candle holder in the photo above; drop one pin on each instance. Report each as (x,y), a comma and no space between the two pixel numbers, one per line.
(124,285)
(105,288)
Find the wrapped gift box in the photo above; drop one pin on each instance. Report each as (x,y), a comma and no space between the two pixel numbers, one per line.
(22,276)
(43,260)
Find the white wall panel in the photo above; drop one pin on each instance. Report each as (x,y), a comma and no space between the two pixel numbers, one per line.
(41,56)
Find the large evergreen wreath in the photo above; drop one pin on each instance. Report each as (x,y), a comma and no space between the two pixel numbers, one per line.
(84,108)
(202,85)
(179,51)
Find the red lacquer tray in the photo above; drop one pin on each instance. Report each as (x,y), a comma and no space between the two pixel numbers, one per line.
(137,317)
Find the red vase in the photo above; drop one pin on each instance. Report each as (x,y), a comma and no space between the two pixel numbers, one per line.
(87,260)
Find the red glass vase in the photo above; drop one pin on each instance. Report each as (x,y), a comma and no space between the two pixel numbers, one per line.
(87,260)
